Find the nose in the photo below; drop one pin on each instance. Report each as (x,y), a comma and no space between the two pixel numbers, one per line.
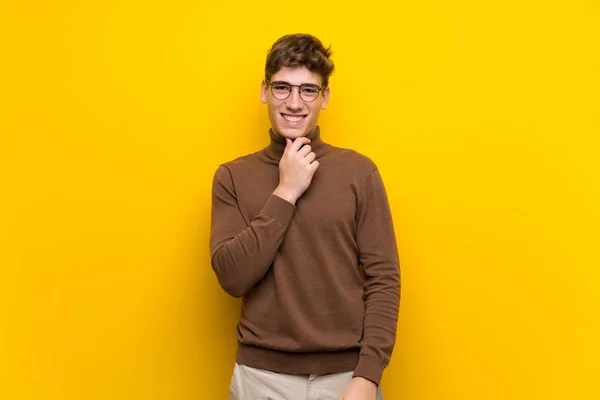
(294,102)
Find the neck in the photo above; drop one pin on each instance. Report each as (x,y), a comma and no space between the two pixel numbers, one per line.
(277,144)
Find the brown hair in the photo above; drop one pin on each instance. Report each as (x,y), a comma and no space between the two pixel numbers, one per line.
(300,50)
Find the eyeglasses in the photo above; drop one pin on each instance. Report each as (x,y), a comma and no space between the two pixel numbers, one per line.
(282,90)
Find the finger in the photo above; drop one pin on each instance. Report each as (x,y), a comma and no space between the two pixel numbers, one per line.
(314,165)
(310,157)
(288,144)
(299,142)
(305,150)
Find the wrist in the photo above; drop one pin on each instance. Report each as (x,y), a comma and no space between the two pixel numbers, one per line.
(285,194)
(365,381)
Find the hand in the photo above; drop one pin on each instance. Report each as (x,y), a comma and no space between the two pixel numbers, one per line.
(359,389)
(296,169)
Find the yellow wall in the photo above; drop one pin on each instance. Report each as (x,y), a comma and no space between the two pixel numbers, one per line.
(484,120)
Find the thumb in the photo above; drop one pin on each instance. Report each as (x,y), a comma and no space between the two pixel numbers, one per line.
(288,144)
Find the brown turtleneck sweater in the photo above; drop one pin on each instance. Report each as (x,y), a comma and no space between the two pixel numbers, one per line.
(307,306)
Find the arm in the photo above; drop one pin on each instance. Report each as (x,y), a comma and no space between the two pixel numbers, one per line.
(242,253)
(379,256)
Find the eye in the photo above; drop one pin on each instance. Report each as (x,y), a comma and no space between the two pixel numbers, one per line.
(281,87)
(310,89)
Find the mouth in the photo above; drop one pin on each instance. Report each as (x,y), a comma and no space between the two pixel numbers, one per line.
(293,119)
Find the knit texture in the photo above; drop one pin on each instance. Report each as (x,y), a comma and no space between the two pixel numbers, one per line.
(319,281)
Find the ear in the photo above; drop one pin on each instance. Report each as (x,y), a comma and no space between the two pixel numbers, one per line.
(263,92)
(326,94)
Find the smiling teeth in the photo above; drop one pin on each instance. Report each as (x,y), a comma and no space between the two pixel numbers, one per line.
(292,119)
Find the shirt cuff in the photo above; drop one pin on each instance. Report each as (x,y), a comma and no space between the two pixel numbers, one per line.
(279,209)
(369,368)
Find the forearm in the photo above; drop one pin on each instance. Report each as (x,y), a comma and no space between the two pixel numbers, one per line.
(243,250)
(242,260)
(382,299)
(379,257)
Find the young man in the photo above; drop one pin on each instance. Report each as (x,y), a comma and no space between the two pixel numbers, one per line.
(302,231)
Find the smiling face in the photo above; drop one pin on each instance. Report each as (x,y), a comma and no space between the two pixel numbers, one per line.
(293,117)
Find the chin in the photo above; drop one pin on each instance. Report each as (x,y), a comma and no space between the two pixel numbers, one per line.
(292,133)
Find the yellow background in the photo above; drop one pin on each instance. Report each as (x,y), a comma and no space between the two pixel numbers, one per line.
(483,117)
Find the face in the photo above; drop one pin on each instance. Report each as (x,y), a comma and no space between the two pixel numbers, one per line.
(294,117)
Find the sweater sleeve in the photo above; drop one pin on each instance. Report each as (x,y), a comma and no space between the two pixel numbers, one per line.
(378,254)
(241,252)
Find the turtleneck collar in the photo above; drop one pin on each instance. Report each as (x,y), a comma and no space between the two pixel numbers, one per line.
(275,148)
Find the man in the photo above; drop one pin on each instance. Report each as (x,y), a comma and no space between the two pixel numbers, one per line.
(302,231)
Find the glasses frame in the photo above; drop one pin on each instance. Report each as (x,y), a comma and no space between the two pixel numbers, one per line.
(320,88)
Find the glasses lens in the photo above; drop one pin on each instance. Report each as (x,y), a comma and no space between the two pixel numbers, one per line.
(281,90)
(309,92)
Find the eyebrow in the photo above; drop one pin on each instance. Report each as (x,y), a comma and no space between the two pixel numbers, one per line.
(303,83)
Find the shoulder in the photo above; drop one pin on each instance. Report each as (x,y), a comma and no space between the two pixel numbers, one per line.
(352,160)
(242,162)
(229,168)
